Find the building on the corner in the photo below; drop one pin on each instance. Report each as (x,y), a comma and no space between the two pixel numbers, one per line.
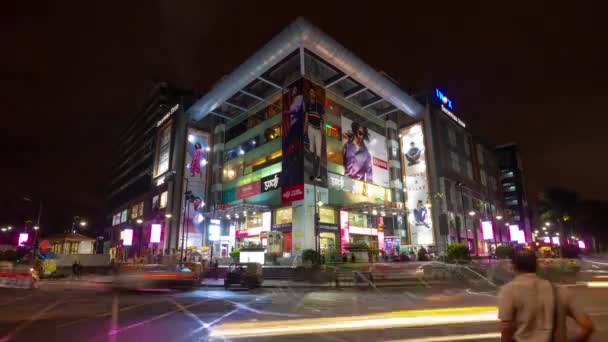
(140,190)
(513,186)
(305,146)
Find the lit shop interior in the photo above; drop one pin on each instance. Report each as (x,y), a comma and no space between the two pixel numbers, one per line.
(357,200)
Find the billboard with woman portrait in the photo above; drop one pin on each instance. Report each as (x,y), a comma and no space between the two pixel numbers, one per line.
(364,152)
(195,181)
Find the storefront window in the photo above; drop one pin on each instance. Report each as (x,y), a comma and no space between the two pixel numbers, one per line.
(124,216)
(327,242)
(164,148)
(327,215)
(270,134)
(334,152)
(357,219)
(254,221)
(282,215)
(163,199)
(74,247)
(134,211)
(232,171)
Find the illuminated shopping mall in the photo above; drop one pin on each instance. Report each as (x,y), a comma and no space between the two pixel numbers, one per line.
(305,146)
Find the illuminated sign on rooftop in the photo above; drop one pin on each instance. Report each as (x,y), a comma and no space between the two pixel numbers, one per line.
(447,106)
(443,99)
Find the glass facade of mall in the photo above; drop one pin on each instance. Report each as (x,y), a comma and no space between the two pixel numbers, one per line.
(304,146)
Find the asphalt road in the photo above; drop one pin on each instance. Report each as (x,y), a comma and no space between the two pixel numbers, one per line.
(80,311)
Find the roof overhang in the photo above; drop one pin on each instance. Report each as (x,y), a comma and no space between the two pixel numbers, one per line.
(302,34)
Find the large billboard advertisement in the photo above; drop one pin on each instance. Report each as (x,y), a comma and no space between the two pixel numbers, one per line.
(195,181)
(315,158)
(364,152)
(292,159)
(416,182)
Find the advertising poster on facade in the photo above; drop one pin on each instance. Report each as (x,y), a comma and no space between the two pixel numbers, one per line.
(416,182)
(195,180)
(315,157)
(364,153)
(292,160)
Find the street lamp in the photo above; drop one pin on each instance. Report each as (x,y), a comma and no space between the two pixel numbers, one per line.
(36,227)
(548,224)
(498,217)
(83,223)
(168,215)
(139,221)
(4,230)
(471,213)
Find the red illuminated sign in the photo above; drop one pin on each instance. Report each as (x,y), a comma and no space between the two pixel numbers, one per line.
(380,163)
(248,190)
(292,193)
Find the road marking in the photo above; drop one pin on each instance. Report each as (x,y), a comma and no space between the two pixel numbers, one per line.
(104,314)
(480,293)
(452,338)
(114,321)
(186,311)
(27,323)
(155,318)
(219,319)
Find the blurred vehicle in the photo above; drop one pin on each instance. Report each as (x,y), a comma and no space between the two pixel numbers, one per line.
(18,276)
(248,275)
(156,276)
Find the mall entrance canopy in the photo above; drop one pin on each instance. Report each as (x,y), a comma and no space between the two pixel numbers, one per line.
(304,50)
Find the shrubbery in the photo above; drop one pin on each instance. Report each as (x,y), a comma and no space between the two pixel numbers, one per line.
(235,253)
(458,252)
(504,252)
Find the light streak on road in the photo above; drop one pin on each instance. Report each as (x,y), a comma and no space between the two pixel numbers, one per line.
(398,319)
(468,337)
(597,284)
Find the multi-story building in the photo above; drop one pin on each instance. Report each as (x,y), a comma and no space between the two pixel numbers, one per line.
(513,188)
(304,146)
(463,172)
(138,194)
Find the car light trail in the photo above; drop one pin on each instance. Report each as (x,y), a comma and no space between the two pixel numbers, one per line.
(399,319)
(597,284)
(452,338)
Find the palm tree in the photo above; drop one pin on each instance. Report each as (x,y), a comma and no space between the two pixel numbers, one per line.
(559,206)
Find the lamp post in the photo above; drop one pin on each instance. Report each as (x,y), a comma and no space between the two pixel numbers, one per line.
(315,180)
(460,185)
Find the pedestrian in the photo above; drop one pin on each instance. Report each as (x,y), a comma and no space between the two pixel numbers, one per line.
(216,268)
(75,269)
(533,309)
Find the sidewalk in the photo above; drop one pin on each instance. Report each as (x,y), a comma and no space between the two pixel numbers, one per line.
(272,283)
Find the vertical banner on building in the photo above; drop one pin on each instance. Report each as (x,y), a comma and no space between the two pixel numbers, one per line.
(416,182)
(344,233)
(292,180)
(364,153)
(195,181)
(315,156)
(298,228)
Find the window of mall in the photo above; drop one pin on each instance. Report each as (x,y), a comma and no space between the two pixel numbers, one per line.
(252,230)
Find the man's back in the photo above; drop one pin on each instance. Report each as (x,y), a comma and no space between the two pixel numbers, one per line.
(528,302)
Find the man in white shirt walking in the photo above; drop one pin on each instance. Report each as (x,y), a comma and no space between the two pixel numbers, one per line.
(527,306)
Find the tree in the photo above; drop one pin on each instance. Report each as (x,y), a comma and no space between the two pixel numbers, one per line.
(559,206)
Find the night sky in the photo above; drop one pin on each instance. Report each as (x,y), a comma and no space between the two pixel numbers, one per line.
(73,72)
